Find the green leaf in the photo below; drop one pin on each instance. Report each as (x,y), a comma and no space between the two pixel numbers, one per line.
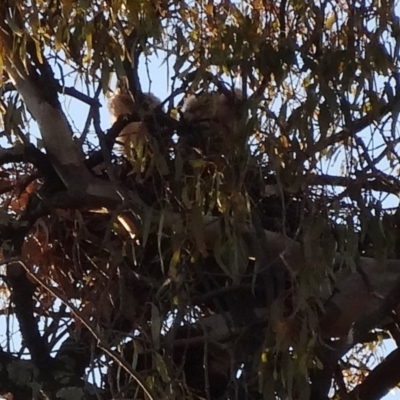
(156,324)
(70,393)
(162,368)
(324,119)
(21,372)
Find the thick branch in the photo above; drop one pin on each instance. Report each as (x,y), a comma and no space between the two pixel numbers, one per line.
(12,237)
(30,154)
(46,110)
(22,291)
(353,300)
(388,304)
(383,378)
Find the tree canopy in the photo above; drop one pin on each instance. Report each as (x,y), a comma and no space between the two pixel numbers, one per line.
(238,239)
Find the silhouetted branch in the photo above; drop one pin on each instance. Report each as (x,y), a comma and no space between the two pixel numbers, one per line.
(380,380)
(358,125)
(22,290)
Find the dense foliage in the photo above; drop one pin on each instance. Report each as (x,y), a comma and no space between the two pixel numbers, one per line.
(239,239)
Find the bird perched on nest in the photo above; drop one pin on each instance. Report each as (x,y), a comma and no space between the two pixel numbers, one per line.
(208,117)
(123,103)
(212,117)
